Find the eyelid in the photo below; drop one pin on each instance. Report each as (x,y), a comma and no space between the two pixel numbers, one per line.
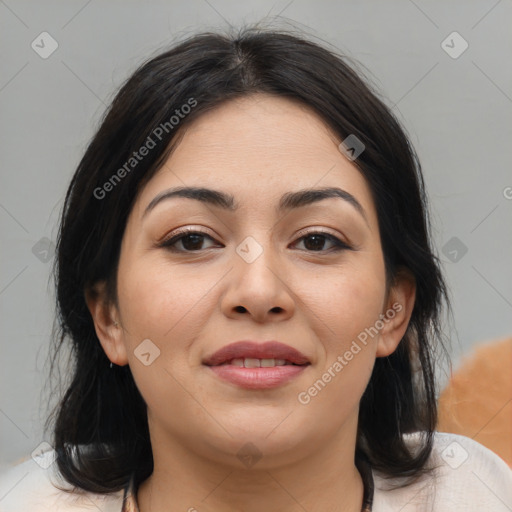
(322,231)
(202,230)
(183,231)
(339,242)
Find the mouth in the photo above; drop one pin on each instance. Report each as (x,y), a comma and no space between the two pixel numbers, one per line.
(257,354)
(251,362)
(253,365)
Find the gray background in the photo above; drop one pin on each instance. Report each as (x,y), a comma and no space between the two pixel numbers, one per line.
(456,110)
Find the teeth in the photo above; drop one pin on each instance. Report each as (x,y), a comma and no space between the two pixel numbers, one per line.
(250,362)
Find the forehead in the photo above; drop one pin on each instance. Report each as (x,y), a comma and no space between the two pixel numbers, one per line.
(257,148)
(261,121)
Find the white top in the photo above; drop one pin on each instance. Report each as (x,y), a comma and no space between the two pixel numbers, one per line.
(468,478)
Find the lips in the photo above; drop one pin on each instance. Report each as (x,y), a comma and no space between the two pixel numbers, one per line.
(251,350)
(257,366)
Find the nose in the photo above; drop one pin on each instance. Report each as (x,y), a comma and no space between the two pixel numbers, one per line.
(258,285)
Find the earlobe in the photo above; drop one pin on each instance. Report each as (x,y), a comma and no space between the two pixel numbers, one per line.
(107,327)
(397,313)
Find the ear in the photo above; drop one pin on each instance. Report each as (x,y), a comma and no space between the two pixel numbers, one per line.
(397,312)
(106,324)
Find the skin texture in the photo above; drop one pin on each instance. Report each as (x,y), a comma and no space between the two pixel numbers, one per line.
(297,291)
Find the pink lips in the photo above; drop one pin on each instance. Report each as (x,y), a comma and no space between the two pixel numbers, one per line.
(257,378)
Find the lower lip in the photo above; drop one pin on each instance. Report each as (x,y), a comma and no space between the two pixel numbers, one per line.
(258,378)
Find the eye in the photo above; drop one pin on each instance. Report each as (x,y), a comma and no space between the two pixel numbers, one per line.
(317,241)
(190,239)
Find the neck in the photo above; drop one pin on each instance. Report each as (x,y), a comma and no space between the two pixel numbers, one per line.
(325,479)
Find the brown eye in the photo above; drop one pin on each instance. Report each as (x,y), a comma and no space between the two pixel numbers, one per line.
(317,241)
(191,241)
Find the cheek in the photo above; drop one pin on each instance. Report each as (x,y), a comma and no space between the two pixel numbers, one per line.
(355,303)
(351,302)
(159,300)
(352,305)
(164,306)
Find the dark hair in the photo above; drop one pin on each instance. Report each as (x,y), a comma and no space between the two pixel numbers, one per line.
(101,433)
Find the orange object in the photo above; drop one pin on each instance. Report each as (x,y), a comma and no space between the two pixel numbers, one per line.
(477,402)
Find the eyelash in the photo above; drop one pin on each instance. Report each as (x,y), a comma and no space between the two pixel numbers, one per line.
(177,236)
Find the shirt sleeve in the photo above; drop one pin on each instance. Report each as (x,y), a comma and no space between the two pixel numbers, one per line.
(466,477)
(470,477)
(30,487)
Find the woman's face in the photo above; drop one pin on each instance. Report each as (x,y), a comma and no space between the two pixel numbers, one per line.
(255,273)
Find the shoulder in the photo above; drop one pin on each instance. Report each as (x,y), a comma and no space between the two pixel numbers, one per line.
(466,476)
(33,485)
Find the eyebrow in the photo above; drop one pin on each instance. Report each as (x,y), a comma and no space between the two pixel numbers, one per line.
(288,201)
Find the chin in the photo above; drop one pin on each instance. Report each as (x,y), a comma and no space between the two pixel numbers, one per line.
(268,435)
(253,452)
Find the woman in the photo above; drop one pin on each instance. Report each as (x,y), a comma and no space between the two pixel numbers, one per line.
(246,276)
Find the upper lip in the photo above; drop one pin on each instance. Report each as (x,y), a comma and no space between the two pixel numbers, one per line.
(257,350)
